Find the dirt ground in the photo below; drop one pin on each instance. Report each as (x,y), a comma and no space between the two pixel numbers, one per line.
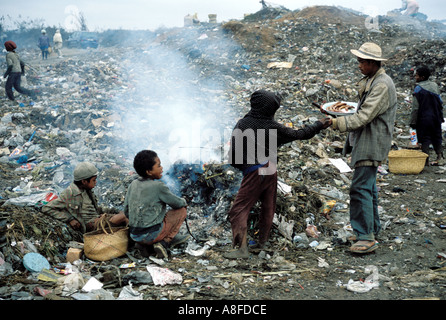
(407,259)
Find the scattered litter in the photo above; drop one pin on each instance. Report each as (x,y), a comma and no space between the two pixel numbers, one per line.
(98,294)
(371,282)
(35,262)
(194,249)
(128,293)
(127,265)
(159,262)
(95,106)
(286,228)
(312,231)
(92,284)
(279,65)
(321,263)
(341,165)
(164,276)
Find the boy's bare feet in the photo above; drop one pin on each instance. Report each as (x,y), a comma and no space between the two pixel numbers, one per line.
(241,253)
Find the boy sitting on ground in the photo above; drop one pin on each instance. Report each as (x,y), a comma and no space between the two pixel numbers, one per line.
(150,223)
(77,205)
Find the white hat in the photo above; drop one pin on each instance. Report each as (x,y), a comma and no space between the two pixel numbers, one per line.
(369,51)
(43,31)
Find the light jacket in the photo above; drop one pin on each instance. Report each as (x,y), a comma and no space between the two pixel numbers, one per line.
(146,200)
(371,127)
(74,203)
(57,37)
(14,64)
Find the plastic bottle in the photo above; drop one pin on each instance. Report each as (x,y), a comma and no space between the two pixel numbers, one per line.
(413,137)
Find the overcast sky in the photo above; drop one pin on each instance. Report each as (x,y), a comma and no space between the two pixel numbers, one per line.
(150,14)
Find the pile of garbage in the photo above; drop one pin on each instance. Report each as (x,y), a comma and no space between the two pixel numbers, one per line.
(180,93)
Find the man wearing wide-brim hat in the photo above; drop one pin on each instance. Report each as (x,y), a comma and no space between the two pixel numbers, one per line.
(369,139)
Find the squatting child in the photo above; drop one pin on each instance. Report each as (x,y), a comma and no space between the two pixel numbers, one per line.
(150,223)
(77,205)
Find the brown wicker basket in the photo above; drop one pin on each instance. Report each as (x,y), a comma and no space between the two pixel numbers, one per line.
(407,161)
(106,242)
(106,245)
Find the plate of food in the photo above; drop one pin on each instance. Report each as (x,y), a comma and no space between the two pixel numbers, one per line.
(340,108)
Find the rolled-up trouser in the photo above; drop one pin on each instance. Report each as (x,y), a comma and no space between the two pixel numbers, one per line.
(254,187)
(364,216)
(171,225)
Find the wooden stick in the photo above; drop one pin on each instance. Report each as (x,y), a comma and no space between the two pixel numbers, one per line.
(259,273)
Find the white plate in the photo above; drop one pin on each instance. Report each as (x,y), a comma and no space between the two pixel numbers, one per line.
(352,111)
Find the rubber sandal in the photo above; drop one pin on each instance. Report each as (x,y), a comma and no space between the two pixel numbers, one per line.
(352,238)
(160,250)
(179,239)
(367,248)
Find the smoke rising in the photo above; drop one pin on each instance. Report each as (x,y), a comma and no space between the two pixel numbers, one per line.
(170,106)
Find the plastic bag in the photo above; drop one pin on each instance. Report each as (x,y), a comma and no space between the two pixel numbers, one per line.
(28,200)
(164,276)
(128,293)
(194,249)
(372,281)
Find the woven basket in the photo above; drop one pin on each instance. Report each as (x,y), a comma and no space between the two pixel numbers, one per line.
(106,243)
(407,161)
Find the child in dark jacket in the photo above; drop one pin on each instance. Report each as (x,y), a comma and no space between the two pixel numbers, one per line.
(253,150)
(427,114)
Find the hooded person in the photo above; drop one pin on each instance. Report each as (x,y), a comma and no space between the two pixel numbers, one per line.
(15,70)
(369,138)
(427,114)
(78,206)
(57,40)
(253,150)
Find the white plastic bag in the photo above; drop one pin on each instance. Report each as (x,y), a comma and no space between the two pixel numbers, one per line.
(372,281)
(163,276)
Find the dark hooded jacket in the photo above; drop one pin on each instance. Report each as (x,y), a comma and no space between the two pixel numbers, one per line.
(248,141)
(427,113)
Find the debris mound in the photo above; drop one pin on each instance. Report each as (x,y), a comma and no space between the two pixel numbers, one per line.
(328,15)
